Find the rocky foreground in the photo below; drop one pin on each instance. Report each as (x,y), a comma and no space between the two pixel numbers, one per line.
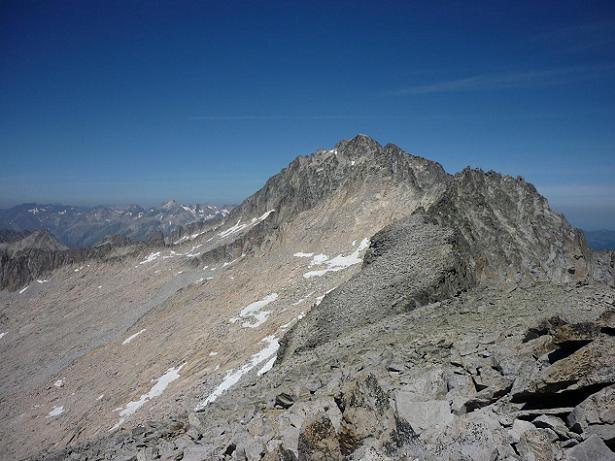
(520,374)
(464,321)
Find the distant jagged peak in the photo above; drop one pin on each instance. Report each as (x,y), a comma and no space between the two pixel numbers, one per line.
(40,239)
(171,203)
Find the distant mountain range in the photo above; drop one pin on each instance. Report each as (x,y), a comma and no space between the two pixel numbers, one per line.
(601,239)
(78,227)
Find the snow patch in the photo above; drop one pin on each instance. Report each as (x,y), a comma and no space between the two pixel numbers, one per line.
(150,258)
(233,376)
(268,366)
(23,290)
(301,254)
(239,227)
(340,262)
(56,411)
(265,215)
(255,311)
(130,338)
(42,281)
(318,259)
(157,389)
(234,229)
(59,383)
(100,397)
(2,335)
(296,303)
(234,260)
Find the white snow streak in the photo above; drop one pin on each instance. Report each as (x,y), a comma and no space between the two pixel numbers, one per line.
(234,229)
(301,254)
(3,334)
(233,376)
(234,260)
(268,366)
(150,258)
(23,290)
(296,303)
(239,227)
(157,389)
(130,338)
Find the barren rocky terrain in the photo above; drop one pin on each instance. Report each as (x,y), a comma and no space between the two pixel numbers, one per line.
(363,305)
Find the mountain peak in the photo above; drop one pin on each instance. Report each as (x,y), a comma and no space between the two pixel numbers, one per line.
(360,145)
(169,204)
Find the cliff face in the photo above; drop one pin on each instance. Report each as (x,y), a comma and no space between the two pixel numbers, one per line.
(509,232)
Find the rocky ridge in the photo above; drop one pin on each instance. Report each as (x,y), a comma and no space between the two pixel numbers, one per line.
(38,254)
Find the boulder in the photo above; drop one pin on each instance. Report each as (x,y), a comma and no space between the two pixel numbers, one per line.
(318,441)
(422,415)
(592,449)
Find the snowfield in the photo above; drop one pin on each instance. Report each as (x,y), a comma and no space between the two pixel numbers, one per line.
(338,263)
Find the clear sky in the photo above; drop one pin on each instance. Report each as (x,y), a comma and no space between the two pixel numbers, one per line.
(113,102)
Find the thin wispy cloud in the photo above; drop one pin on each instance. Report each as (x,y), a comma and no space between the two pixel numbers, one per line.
(507,80)
(274,117)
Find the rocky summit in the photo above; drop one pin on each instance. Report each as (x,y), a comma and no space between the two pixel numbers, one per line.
(363,305)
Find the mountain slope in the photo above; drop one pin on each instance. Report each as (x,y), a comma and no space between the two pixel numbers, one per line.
(384,286)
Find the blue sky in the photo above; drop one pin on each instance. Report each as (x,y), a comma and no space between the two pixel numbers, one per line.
(116,102)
